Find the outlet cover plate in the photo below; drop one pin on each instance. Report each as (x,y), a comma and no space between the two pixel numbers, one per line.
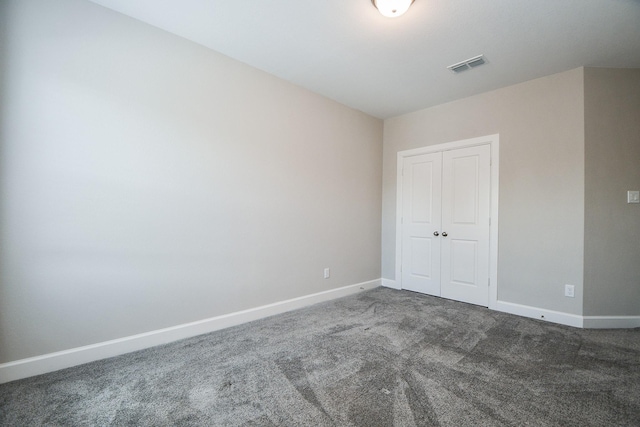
(633,196)
(569,291)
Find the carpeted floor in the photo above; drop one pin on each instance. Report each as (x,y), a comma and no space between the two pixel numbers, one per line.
(379,358)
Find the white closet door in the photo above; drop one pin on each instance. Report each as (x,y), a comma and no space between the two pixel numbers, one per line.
(466,187)
(421,218)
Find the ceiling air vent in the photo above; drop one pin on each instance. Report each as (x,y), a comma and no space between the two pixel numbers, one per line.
(467,64)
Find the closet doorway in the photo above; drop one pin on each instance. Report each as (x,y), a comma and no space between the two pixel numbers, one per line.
(447,220)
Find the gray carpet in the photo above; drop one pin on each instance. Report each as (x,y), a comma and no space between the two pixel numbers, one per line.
(379,358)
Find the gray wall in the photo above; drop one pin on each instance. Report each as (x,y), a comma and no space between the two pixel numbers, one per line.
(147,182)
(541,127)
(612,227)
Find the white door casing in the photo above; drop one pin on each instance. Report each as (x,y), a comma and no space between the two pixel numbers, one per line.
(468,216)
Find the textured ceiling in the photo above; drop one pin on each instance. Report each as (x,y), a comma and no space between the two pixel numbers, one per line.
(347,51)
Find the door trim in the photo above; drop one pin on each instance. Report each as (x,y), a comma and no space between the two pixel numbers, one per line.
(494,143)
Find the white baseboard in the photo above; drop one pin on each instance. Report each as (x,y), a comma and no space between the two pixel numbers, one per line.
(611,322)
(540,313)
(587,322)
(389,283)
(76,356)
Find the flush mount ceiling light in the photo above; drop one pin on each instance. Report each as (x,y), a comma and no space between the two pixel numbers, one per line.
(392,8)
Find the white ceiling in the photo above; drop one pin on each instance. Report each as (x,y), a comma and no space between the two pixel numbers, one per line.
(347,51)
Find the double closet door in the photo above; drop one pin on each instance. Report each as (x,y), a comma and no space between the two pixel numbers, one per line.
(445,225)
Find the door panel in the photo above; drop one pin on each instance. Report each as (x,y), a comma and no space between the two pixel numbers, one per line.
(464,174)
(421,209)
(463,261)
(421,250)
(421,181)
(465,219)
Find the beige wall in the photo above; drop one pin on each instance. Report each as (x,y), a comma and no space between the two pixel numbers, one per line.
(612,227)
(148,182)
(541,128)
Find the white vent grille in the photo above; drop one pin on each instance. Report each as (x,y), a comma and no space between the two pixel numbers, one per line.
(467,64)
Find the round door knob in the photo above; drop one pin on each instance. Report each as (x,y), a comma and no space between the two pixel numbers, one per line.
(444,234)
(435,233)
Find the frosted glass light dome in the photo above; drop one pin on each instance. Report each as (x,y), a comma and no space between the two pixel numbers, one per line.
(392,8)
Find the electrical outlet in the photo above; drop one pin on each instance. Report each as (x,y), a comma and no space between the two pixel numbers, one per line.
(569,291)
(327,273)
(633,196)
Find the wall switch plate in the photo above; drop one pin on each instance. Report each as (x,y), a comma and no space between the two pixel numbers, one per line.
(633,196)
(569,291)
(327,273)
